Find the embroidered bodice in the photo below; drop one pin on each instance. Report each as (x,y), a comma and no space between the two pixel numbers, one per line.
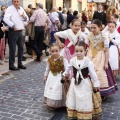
(97,43)
(56,66)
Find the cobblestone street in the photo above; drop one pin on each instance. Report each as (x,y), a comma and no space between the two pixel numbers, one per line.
(21,97)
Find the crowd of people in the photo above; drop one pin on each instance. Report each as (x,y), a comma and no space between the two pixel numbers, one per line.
(84,55)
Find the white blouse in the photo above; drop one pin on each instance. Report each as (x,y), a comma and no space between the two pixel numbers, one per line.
(93,75)
(68,34)
(115,37)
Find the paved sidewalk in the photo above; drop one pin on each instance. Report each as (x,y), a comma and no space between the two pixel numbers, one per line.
(21,94)
(21,97)
(5,68)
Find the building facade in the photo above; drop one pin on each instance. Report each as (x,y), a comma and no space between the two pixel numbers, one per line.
(79,5)
(48,4)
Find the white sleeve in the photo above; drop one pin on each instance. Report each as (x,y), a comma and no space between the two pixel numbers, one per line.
(7,17)
(93,75)
(106,42)
(47,69)
(116,41)
(62,34)
(65,62)
(67,66)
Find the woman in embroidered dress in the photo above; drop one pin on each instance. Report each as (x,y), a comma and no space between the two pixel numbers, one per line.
(71,36)
(82,102)
(55,89)
(114,38)
(98,52)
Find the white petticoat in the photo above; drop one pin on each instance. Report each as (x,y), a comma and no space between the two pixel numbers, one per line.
(80,96)
(53,87)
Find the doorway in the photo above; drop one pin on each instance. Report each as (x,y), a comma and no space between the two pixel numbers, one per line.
(49,5)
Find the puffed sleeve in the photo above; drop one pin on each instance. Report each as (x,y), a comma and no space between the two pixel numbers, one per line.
(116,40)
(93,75)
(47,69)
(62,34)
(106,42)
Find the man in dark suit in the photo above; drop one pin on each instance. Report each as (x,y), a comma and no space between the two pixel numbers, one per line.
(100,14)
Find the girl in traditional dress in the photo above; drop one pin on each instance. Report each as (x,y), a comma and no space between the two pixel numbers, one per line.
(71,36)
(98,52)
(114,18)
(84,29)
(55,88)
(114,38)
(83,99)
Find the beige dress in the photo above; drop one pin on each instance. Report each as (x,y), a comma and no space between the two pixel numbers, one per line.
(96,53)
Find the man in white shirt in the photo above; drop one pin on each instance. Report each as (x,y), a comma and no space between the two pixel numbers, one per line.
(16,18)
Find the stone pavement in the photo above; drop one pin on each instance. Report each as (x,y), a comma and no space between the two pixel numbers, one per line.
(21,94)
(5,68)
(21,97)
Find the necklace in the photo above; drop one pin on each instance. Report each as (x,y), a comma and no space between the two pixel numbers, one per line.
(97,37)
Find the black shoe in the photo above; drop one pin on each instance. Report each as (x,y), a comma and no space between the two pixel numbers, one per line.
(21,67)
(23,59)
(39,58)
(13,68)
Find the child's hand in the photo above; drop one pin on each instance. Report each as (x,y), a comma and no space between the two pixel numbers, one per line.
(45,78)
(61,45)
(66,77)
(106,66)
(96,89)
